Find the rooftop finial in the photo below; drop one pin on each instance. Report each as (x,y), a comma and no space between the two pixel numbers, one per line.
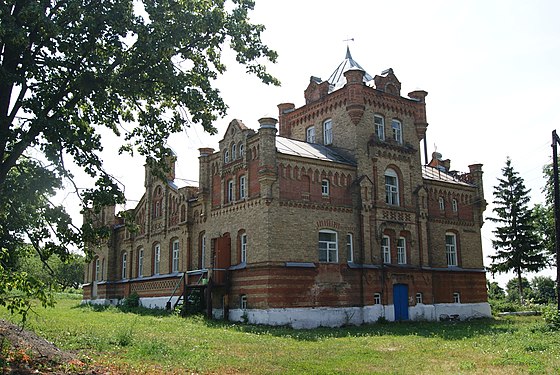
(348,55)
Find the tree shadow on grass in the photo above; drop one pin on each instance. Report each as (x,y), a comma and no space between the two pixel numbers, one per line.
(444,330)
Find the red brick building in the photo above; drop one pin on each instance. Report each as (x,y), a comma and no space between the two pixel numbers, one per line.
(324,216)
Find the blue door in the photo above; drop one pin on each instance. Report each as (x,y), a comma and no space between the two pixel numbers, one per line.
(400,301)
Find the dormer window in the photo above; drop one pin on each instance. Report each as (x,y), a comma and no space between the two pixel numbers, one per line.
(397,130)
(310,132)
(379,122)
(327,132)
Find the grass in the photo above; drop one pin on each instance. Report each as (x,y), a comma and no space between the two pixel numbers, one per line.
(144,341)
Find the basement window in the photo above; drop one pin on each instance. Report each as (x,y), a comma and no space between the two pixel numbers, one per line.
(243,302)
(456,297)
(377,299)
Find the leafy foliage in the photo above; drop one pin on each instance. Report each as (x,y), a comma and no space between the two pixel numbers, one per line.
(518,247)
(543,290)
(143,69)
(495,291)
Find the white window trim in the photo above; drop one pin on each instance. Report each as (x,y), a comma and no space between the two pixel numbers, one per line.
(456,297)
(230,191)
(241,150)
(329,247)
(377,298)
(454,205)
(451,250)
(233,152)
(243,302)
(386,249)
(141,262)
(175,256)
(325,187)
(441,203)
(392,196)
(157,259)
(327,132)
(419,298)
(379,127)
(242,187)
(350,247)
(243,241)
(401,250)
(123,265)
(310,134)
(396,126)
(226,156)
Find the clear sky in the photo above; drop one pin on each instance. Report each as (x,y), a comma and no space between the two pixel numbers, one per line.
(491,70)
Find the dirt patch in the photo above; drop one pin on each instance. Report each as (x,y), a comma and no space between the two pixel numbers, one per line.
(24,352)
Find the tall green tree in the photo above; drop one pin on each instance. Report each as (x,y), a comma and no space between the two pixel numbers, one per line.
(544,214)
(144,69)
(518,247)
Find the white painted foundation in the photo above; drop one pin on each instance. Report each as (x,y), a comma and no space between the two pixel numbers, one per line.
(149,302)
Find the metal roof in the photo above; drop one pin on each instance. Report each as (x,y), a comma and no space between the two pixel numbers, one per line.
(437,174)
(337,79)
(289,146)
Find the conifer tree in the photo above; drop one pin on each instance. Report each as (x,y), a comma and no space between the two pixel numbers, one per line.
(518,247)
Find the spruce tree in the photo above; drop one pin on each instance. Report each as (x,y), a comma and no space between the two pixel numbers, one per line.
(517,244)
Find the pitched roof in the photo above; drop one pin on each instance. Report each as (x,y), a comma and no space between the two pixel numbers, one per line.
(436,174)
(337,79)
(289,146)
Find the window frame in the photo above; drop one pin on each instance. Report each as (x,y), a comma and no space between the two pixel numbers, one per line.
(441,201)
(327,132)
(454,205)
(401,250)
(97,276)
(243,302)
(377,298)
(157,259)
(229,191)
(310,134)
(175,256)
(241,150)
(328,249)
(123,265)
(325,187)
(350,247)
(243,248)
(419,298)
(203,251)
(242,187)
(386,249)
(451,253)
(141,262)
(226,156)
(379,127)
(233,152)
(396,126)
(392,194)
(456,297)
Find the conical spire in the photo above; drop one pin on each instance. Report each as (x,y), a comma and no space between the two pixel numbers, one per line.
(337,79)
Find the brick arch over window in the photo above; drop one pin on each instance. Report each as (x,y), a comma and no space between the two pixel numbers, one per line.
(393,183)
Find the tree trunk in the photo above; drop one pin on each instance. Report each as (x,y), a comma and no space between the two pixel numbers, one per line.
(520,287)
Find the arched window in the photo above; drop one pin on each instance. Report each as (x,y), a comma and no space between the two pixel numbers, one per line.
(401,250)
(202,251)
(328,246)
(243,248)
(327,132)
(233,152)
(451,249)
(349,247)
(241,150)
(97,272)
(391,187)
(175,256)
(140,262)
(226,156)
(123,266)
(157,258)
(454,205)
(157,201)
(441,204)
(242,187)
(386,249)
(230,197)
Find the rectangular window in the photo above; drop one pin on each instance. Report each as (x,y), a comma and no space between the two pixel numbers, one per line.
(391,188)
(327,132)
(379,127)
(230,191)
(325,188)
(203,252)
(456,297)
(175,262)
(401,250)
(328,247)
(451,249)
(350,247)
(441,204)
(244,248)
(97,269)
(242,187)
(123,270)
(386,248)
(310,134)
(377,299)
(243,302)
(157,257)
(140,262)
(419,298)
(454,205)
(397,130)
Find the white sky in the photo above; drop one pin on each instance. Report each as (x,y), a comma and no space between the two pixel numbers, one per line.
(491,70)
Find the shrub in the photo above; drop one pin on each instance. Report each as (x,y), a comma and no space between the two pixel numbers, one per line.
(551,317)
(133,300)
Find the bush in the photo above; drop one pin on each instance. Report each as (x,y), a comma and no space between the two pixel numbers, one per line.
(133,300)
(499,306)
(551,317)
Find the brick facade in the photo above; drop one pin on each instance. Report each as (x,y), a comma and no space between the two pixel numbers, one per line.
(280,223)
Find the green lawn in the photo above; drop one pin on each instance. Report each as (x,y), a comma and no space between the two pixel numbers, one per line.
(148,343)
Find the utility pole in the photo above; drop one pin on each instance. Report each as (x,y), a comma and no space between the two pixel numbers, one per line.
(555,142)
